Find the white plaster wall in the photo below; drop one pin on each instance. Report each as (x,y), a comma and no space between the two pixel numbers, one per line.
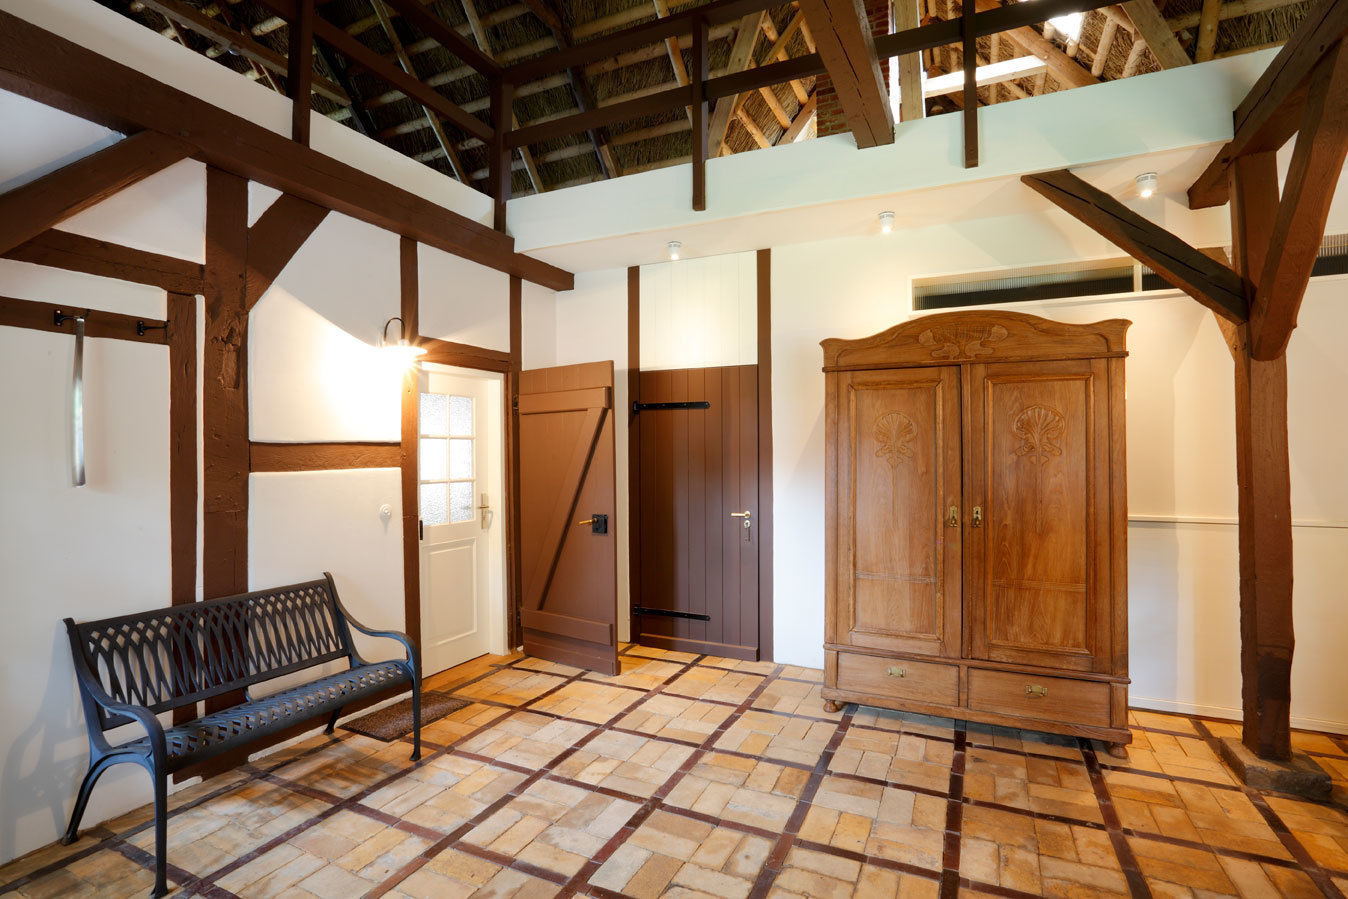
(315,370)
(303,523)
(538,326)
(88,552)
(463,301)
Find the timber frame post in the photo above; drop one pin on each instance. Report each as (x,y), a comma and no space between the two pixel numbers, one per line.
(1274,243)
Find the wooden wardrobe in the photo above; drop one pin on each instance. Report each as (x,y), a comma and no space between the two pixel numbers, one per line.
(977,522)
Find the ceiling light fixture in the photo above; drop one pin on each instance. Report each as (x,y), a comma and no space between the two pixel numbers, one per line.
(1146,184)
(674,247)
(886,222)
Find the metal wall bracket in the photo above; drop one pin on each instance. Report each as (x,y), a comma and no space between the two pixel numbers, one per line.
(656,407)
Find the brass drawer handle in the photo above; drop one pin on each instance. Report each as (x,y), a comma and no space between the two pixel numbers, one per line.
(896,671)
(1033,690)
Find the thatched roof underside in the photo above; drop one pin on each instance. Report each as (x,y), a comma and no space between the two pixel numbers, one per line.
(510,31)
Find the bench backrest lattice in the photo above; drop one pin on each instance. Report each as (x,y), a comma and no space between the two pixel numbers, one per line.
(169,658)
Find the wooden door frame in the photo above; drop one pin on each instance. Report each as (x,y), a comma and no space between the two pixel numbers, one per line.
(460,356)
(765,523)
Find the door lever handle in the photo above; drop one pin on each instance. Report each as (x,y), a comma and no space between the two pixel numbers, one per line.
(748,521)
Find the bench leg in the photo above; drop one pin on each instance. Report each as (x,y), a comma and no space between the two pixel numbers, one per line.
(332,721)
(160,834)
(416,722)
(82,799)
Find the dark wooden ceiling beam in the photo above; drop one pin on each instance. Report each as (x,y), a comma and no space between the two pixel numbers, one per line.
(847,48)
(300,71)
(27,211)
(913,40)
(445,35)
(1206,280)
(581,54)
(437,127)
(359,54)
(1317,161)
(236,42)
(1271,112)
(1152,28)
(546,14)
(741,57)
(969,95)
(43,66)
(77,253)
(700,110)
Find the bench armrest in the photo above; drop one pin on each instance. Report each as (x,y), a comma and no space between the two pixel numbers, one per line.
(95,695)
(413,660)
(402,638)
(143,716)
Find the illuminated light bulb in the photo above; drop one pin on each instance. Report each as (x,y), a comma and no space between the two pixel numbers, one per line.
(674,247)
(403,347)
(1146,184)
(886,222)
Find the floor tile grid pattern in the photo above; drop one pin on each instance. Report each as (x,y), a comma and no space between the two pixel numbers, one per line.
(948,878)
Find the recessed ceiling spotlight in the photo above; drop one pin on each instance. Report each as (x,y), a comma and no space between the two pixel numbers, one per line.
(1146,184)
(886,222)
(674,247)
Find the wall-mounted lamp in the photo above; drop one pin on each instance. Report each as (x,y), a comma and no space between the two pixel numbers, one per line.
(886,222)
(402,346)
(674,247)
(1146,184)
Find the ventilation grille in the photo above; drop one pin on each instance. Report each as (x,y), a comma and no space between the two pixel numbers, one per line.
(1099,278)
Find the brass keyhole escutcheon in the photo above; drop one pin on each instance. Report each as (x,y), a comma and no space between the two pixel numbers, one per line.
(952,518)
(1035,691)
(896,671)
(976,521)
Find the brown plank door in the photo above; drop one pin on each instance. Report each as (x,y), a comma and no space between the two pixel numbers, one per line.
(1037,464)
(899,516)
(568,559)
(696,588)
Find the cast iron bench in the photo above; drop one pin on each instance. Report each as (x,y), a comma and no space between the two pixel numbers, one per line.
(132,667)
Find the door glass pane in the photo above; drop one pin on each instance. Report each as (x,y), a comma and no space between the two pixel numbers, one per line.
(434,499)
(434,413)
(461,459)
(461,416)
(460,501)
(432,459)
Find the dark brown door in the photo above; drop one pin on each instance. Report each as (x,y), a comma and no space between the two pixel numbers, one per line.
(568,563)
(898,516)
(697,586)
(1037,461)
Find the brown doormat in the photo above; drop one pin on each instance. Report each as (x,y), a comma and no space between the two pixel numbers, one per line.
(394,721)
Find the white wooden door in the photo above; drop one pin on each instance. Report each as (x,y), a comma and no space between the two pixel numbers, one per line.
(456,520)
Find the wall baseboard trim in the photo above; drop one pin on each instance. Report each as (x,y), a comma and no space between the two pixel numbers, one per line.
(1197,519)
(1229,714)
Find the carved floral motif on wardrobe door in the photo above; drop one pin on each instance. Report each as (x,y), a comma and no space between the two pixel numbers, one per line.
(894,432)
(1041,429)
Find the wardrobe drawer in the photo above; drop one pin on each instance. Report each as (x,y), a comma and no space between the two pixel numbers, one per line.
(1035,696)
(899,678)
